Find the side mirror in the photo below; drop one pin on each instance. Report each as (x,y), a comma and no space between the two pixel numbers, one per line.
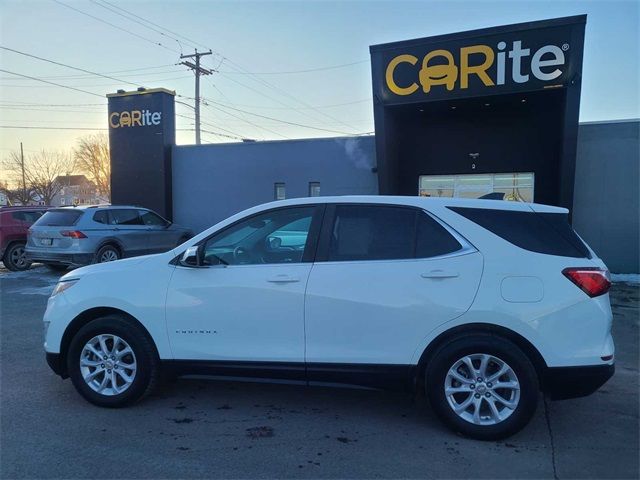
(191,257)
(273,243)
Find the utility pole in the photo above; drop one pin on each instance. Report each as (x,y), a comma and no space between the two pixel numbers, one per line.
(24,183)
(197,70)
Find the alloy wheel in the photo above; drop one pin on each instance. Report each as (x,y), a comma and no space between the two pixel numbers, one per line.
(108,256)
(18,257)
(482,389)
(108,364)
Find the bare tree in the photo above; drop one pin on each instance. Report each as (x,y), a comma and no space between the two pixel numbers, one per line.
(15,187)
(92,157)
(40,173)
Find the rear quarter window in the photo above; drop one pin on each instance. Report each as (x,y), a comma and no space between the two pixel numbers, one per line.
(101,217)
(548,233)
(59,218)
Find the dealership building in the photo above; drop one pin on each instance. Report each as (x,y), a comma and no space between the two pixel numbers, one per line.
(485,112)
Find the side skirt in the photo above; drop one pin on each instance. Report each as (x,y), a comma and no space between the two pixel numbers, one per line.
(386,377)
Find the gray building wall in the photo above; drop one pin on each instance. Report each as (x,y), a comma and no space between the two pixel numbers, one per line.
(606,204)
(212,182)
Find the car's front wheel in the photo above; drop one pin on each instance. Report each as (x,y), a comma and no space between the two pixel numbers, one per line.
(112,362)
(14,258)
(482,386)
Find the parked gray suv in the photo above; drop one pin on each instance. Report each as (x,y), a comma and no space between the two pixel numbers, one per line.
(74,236)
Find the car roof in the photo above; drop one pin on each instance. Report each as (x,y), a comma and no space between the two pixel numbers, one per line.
(424,202)
(19,208)
(105,206)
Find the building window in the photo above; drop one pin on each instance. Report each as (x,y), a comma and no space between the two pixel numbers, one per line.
(513,186)
(280,192)
(314,189)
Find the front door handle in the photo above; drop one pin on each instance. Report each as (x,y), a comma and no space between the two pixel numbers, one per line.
(283,279)
(440,274)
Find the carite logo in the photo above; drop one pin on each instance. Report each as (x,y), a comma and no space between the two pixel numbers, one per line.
(438,67)
(134,118)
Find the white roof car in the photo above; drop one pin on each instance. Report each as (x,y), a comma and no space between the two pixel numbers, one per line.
(482,304)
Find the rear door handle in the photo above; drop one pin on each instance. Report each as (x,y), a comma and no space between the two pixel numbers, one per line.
(440,274)
(283,279)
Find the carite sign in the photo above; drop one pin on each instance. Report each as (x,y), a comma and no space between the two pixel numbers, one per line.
(484,62)
(133,118)
(141,133)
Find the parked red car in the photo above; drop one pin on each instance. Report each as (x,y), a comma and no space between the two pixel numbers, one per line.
(14,223)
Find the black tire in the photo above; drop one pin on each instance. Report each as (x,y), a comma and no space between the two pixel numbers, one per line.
(56,267)
(146,359)
(447,356)
(14,258)
(107,251)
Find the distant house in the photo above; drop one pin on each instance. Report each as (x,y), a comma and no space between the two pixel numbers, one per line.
(76,190)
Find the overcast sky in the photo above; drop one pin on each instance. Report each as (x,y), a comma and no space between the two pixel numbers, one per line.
(254,43)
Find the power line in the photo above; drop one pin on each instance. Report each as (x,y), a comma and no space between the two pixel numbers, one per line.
(291,72)
(275,119)
(67,66)
(110,84)
(116,26)
(235,135)
(83,77)
(31,109)
(333,105)
(128,17)
(194,43)
(245,120)
(52,83)
(30,127)
(27,104)
(283,92)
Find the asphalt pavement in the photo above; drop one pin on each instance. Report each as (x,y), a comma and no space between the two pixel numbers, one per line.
(197,428)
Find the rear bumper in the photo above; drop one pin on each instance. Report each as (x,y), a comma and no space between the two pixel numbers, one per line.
(561,383)
(75,259)
(54,360)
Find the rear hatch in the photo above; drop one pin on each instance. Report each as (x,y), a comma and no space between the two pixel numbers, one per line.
(51,231)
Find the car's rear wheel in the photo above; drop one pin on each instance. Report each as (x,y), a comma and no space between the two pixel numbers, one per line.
(482,386)
(14,258)
(107,253)
(112,362)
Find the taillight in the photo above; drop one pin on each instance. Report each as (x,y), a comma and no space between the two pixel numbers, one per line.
(593,281)
(72,234)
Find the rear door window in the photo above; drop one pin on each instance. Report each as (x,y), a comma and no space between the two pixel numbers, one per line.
(59,218)
(101,216)
(548,233)
(125,217)
(372,232)
(432,239)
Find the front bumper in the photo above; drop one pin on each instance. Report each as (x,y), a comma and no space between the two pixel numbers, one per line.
(54,360)
(74,259)
(561,383)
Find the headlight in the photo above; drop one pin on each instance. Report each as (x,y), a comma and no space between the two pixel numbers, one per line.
(63,285)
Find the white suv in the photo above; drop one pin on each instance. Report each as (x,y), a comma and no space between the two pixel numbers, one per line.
(482,304)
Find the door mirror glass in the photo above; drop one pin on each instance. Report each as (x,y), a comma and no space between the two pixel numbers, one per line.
(273,243)
(191,257)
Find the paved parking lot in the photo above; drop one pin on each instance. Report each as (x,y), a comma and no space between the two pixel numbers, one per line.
(202,428)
